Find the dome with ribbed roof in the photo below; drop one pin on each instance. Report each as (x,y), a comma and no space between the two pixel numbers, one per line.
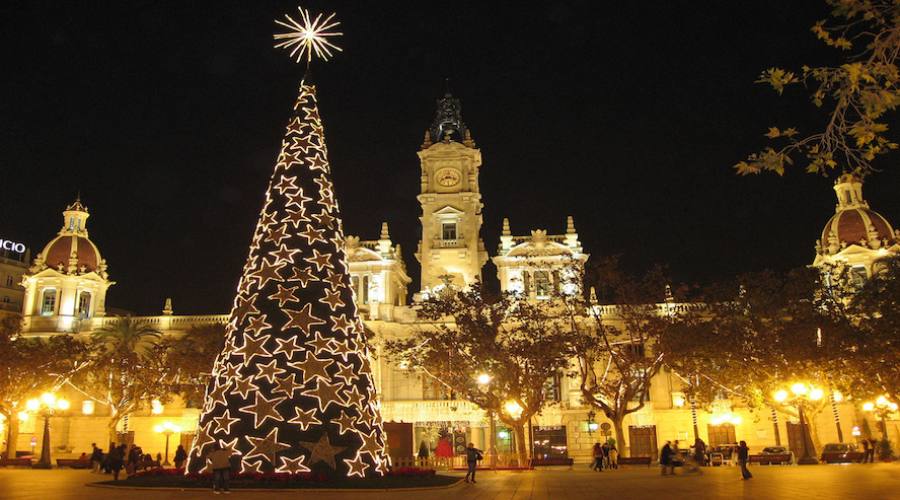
(72,251)
(854,223)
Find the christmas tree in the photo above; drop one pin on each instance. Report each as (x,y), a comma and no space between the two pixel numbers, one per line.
(292,391)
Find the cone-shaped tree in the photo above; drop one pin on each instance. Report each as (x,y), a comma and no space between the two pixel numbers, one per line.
(292,391)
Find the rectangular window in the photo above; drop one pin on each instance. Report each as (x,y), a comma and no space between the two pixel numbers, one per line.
(9,280)
(448,231)
(543,287)
(552,389)
(365,290)
(48,302)
(84,305)
(858,276)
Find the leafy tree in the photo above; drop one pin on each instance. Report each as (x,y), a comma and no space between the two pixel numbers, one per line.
(190,359)
(616,346)
(31,366)
(758,335)
(520,344)
(869,359)
(858,95)
(124,368)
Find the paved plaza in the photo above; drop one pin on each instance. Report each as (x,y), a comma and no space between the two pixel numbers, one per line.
(876,482)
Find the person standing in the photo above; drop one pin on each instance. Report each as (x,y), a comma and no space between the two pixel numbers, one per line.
(865,445)
(665,459)
(96,458)
(473,456)
(180,457)
(873,445)
(220,462)
(613,457)
(700,452)
(117,460)
(597,453)
(605,448)
(743,456)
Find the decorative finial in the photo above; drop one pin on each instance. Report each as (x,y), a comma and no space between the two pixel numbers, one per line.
(167,308)
(385,235)
(593,297)
(570,225)
(427,142)
(506,231)
(308,36)
(669,297)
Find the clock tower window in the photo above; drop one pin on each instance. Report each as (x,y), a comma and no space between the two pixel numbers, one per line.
(448,231)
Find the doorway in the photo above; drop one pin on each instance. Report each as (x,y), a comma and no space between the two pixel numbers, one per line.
(642,439)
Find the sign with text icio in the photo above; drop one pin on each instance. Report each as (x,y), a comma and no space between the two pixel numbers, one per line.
(12,246)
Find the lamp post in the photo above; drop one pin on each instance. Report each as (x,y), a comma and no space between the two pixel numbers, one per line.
(484,380)
(800,395)
(882,408)
(592,424)
(167,428)
(46,406)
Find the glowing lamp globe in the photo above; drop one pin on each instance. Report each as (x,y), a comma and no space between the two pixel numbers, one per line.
(838,396)
(781,395)
(799,389)
(484,379)
(816,394)
(869,406)
(63,404)
(33,404)
(48,398)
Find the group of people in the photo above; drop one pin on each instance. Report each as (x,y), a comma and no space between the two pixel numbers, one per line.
(670,456)
(131,458)
(605,456)
(869,447)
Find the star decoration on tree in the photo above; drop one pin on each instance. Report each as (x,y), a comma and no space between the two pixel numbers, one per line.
(322,450)
(266,447)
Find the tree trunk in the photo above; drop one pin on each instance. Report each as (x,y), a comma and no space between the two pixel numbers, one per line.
(620,435)
(521,444)
(111,426)
(12,435)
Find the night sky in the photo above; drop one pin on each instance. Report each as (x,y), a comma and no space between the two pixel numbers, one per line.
(167,117)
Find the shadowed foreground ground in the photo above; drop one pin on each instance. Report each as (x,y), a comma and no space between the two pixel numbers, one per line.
(878,481)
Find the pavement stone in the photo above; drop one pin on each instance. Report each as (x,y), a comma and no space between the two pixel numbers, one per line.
(822,482)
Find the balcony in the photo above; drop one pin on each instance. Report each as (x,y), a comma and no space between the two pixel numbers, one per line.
(455,243)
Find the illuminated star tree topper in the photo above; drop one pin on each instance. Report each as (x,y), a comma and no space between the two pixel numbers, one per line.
(309,36)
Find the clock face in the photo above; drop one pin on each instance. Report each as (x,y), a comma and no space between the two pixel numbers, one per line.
(447,177)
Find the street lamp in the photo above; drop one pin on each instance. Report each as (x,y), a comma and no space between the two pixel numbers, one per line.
(882,408)
(167,428)
(800,395)
(484,380)
(592,424)
(46,406)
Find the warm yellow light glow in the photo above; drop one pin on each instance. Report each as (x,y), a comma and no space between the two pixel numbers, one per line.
(63,404)
(868,406)
(881,401)
(892,406)
(156,407)
(513,409)
(799,389)
(855,431)
(725,418)
(166,427)
(816,394)
(484,379)
(678,401)
(33,404)
(87,407)
(48,398)
(780,396)
(23,416)
(838,397)
(308,36)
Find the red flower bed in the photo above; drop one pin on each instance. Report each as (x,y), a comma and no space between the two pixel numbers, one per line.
(279,476)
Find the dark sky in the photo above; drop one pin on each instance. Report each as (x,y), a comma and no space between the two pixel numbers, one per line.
(167,117)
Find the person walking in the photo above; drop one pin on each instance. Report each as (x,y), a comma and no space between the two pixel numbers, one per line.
(597,454)
(220,462)
(96,458)
(665,459)
(180,457)
(743,456)
(473,456)
(873,445)
(865,445)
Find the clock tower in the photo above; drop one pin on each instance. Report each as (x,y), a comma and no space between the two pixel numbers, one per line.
(451,249)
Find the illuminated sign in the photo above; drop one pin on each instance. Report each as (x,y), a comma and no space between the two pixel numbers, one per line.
(12,246)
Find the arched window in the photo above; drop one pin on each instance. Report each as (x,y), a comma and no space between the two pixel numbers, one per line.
(84,305)
(48,302)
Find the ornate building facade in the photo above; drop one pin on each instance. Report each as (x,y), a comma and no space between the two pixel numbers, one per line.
(66,285)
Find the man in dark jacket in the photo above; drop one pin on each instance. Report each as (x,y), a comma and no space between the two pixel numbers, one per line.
(743,456)
(473,456)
